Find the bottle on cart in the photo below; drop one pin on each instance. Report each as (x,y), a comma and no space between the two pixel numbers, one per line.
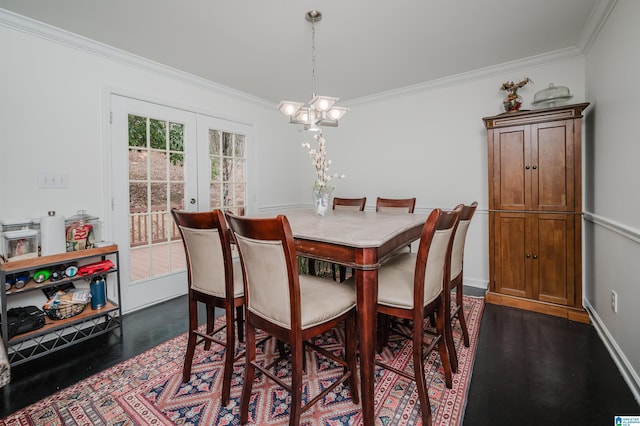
(98,292)
(57,273)
(41,275)
(21,279)
(71,270)
(8,282)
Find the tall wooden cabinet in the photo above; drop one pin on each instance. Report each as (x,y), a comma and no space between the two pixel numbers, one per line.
(535,210)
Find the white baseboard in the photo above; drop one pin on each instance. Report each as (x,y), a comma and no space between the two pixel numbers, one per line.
(626,369)
(475,282)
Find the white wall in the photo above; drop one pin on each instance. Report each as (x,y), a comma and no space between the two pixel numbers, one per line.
(612,202)
(430,142)
(53,119)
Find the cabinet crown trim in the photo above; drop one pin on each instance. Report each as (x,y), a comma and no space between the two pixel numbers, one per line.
(563,112)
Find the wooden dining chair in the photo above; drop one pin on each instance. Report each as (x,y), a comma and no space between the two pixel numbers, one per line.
(214,279)
(291,307)
(412,286)
(356,204)
(340,204)
(395,205)
(456,282)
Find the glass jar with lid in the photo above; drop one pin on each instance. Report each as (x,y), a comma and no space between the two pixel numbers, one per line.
(551,96)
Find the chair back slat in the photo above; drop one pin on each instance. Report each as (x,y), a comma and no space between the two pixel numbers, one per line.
(436,264)
(395,205)
(208,251)
(433,260)
(353,204)
(204,252)
(457,253)
(267,279)
(268,256)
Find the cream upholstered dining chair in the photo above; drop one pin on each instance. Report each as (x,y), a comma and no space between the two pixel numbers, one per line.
(457,267)
(412,286)
(346,204)
(396,205)
(341,204)
(215,279)
(291,307)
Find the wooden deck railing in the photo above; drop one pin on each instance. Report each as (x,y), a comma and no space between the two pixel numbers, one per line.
(161,225)
(160,221)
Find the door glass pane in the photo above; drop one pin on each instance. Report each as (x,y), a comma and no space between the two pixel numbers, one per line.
(228,182)
(156,184)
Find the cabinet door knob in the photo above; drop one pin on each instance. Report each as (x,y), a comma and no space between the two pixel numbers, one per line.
(535,256)
(527,167)
(527,255)
(192,201)
(535,167)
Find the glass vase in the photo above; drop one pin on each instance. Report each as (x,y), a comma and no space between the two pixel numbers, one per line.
(512,102)
(321,198)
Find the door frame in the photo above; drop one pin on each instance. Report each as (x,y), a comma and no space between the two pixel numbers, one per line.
(112,213)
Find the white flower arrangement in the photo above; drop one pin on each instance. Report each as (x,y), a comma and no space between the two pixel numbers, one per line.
(321,164)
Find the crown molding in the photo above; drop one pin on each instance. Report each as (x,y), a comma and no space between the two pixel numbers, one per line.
(66,38)
(531,61)
(596,21)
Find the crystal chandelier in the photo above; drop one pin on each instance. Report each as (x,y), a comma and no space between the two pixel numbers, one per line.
(321,110)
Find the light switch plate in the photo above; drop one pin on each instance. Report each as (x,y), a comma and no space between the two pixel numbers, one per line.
(47,180)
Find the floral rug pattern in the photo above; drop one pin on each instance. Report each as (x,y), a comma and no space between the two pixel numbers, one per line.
(148,390)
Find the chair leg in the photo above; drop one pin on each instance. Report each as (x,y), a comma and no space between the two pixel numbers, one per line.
(442,348)
(211,318)
(191,344)
(297,355)
(461,317)
(343,273)
(418,368)
(350,354)
(240,323)
(249,375)
(229,355)
(382,332)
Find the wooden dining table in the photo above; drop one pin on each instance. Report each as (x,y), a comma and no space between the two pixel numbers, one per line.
(362,241)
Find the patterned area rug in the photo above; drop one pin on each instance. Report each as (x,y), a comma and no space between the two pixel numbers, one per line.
(147,389)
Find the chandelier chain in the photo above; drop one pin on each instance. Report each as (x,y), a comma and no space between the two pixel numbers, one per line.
(313,57)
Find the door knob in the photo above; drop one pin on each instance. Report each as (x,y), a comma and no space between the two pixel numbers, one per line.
(535,256)
(527,255)
(526,167)
(192,201)
(535,167)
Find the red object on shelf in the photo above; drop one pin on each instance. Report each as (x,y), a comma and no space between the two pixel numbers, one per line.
(96,267)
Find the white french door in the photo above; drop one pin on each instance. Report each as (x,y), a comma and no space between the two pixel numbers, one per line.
(161,158)
(154,168)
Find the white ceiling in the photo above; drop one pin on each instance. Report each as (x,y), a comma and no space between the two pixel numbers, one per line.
(363,47)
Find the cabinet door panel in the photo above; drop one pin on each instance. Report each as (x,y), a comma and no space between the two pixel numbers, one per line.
(553,271)
(512,273)
(511,156)
(552,183)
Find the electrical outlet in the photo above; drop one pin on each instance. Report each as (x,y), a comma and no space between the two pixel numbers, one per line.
(614,301)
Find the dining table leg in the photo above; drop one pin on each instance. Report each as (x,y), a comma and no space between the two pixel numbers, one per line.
(367,297)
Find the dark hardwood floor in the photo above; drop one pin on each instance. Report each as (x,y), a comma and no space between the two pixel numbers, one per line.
(530,369)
